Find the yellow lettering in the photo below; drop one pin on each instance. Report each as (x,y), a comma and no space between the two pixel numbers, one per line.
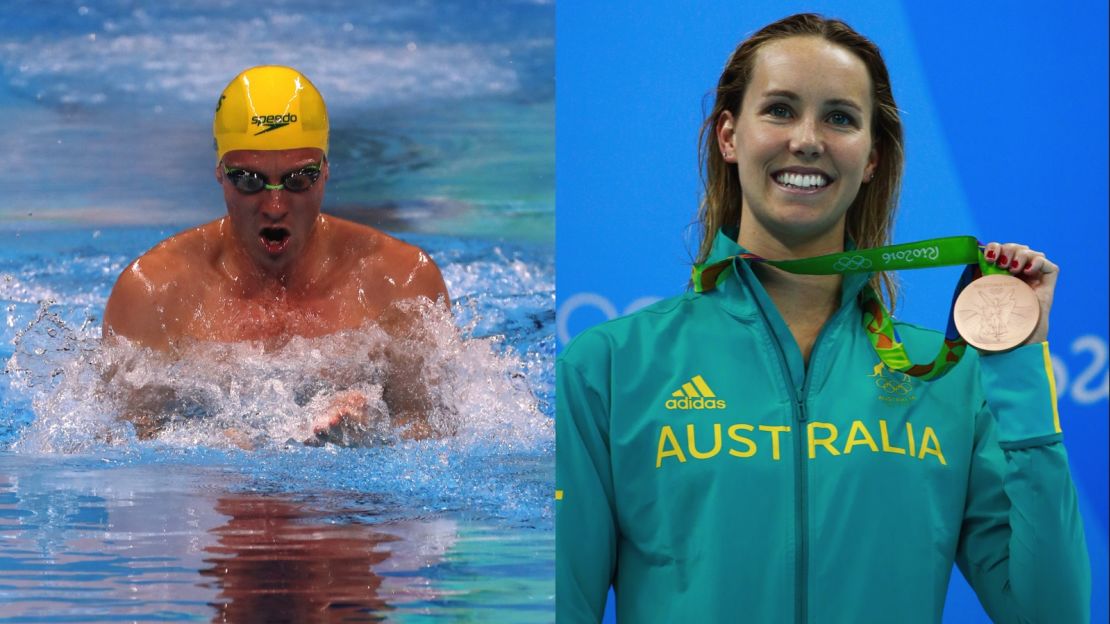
(665,435)
(732,433)
(931,435)
(716,441)
(826,442)
(887,448)
(909,437)
(864,438)
(775,430)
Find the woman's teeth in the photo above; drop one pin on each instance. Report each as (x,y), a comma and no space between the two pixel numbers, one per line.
(801,181)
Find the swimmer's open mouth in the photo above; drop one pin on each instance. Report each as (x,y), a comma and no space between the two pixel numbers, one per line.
(275,239)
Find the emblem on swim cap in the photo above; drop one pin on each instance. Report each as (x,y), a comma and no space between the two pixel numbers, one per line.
(270,108)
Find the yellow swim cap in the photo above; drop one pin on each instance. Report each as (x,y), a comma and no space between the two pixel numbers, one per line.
(270,108)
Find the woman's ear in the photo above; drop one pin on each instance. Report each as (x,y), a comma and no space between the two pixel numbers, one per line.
(872,165)
(726,135)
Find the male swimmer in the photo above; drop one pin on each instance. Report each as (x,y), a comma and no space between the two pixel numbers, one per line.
(275,267)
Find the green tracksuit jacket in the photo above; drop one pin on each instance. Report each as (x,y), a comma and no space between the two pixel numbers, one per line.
(707,474)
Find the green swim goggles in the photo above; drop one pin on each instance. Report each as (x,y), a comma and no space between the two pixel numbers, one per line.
(250,182)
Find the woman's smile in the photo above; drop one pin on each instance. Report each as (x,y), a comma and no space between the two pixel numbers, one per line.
(801,180)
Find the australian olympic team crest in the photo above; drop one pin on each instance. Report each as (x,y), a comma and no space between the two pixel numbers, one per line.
(894,387)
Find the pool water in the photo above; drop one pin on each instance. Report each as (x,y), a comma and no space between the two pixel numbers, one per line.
(190,527)
(442,133)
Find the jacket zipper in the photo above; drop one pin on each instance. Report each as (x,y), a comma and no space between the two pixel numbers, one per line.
(801,507)
(802,481)
(801,609)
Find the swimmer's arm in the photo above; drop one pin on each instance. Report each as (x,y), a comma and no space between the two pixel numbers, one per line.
(410,388)
(409,396)
(150,407)
(407,389)
(146,407)
(136,310)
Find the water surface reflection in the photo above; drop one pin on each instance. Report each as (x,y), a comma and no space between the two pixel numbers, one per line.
(80,542)
(279,561)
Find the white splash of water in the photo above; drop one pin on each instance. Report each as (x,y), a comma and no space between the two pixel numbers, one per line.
(245,394)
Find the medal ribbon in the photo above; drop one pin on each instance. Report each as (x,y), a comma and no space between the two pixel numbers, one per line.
(935,252)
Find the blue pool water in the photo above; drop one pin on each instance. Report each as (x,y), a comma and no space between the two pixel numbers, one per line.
(189,525)
(442,117)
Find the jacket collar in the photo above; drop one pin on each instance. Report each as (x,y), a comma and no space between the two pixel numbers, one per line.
(739,297)
(743,296)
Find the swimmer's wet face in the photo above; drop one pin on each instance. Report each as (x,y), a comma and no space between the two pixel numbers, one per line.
(272,226)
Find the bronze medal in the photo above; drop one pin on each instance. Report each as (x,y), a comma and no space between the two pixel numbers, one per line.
(996,312)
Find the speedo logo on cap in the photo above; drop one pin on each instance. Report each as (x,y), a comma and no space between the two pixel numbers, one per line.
(694,394)
(272,122)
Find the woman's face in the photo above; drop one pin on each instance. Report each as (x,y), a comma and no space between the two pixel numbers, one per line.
(801,141)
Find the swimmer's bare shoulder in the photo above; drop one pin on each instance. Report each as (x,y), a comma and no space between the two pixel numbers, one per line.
(149,300)
(388,269)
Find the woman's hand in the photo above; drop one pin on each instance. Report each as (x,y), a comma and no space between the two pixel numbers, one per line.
(1033,268)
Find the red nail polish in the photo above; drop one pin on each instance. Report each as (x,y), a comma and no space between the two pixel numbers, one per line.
(990,254)
(1002,260)
(1014,264)
(1029,269)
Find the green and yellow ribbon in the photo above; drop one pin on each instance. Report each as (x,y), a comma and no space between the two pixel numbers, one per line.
(936,252)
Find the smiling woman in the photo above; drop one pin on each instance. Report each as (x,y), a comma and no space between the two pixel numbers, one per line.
(753,442)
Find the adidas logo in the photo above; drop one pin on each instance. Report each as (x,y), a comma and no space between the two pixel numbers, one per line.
(694,394)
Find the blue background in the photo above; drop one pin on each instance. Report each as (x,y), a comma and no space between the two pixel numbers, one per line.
(1005,112)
